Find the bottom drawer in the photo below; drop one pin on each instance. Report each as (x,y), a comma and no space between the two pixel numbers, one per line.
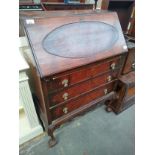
(84,99)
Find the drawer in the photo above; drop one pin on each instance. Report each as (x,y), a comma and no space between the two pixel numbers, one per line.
(82,87)
(130,62)
(82,74)
(84,99)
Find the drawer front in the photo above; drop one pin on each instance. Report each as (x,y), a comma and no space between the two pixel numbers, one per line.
(85,73)
(83,87)
(130,62)
(81,100)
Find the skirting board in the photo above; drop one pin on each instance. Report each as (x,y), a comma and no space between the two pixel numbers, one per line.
(32,134)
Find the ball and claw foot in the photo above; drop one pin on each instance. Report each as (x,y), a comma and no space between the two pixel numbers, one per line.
(52,142)
(108,109)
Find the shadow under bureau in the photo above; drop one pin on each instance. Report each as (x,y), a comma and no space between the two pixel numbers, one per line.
(76,61)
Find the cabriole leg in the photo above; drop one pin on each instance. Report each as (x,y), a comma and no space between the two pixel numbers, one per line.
(108,106)
(52,141)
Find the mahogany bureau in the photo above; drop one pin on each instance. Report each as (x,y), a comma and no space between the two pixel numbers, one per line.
(77,60)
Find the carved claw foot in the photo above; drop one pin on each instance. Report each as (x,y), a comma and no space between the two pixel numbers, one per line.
(52,142)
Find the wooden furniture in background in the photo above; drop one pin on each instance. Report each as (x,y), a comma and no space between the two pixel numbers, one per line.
(60,1)
(126,13)
(130,61)
(125,94)
(126,83)
(125,10)
(131,25)
(70,76)
(30,6)
(104,4)
(69,6)
(46,5)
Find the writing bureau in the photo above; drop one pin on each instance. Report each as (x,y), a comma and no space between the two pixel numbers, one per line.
(77,60)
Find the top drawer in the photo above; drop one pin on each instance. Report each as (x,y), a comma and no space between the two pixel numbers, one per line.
(82,74)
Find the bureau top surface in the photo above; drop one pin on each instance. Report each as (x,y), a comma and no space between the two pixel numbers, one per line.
(62,43)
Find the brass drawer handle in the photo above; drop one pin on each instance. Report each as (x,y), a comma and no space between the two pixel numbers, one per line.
(65,110)
(65,96)
(113,66)
(109,78)
(105,91)
(65,82)
(133,65)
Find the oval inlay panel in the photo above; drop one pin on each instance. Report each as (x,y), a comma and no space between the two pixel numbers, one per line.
(81,39)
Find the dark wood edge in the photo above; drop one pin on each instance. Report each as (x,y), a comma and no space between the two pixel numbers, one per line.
(124,88)
(123,72)
(46,102)
(67,4)
(128,83)
(124,55)
(72,14)
(27,3)
(32,49)
(132,100)
(44,9)
(118,99)
(121,94)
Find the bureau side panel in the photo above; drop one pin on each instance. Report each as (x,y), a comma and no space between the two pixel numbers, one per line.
(36,87)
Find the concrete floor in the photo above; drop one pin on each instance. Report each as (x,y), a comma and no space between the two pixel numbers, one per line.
(95,133)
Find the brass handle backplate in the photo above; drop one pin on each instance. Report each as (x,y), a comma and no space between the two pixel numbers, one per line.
(65,82)
(105,91)
(113,66)
(65,110)
(65,96)
(133,65)
(109,78)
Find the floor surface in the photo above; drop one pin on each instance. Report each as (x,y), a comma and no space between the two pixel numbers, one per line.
(95,133)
